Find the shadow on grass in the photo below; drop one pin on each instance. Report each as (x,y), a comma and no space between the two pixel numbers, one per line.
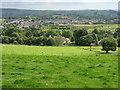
(109,53)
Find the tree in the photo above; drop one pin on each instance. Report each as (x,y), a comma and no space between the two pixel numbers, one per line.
(5,40)
(58,41)
(79,33)
(29,34)
(96,31)
(14,34)
(95,37)
(20,41)
(118,41)
(10,30)
(117,32)
(42,33)
(86,40)
(109,44)
(67,34)
(15,42)
(51,33)
(44,41)
(50,42)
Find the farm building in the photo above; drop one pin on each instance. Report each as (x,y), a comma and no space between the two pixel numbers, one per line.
(65,40)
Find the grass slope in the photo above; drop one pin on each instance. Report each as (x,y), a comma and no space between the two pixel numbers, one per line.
(30,71)
(57,51)
(24,69)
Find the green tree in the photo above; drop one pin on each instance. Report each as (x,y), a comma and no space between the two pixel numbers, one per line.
(118,41)
(50,32)
(15,42)
(44,41)
(67,34)
(117,32)
(96,31)
(58,41)
(29,34)
(79,33)
(109,44)
(14,34)
(86,40)
(5,40)
(50,42)
(10,30)
(95,37)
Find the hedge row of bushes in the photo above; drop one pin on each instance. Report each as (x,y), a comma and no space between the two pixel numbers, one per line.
(39,41)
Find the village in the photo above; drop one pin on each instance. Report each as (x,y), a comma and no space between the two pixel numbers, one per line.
(28,21)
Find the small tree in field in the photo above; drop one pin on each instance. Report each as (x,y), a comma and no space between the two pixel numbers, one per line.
(109,44)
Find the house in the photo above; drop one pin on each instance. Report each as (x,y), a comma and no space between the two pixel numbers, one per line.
(65,40)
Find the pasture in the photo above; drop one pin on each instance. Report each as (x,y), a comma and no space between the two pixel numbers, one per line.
(58,67)
(90,28)
(55,51)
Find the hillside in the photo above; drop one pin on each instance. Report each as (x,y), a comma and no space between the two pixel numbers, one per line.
(100,14)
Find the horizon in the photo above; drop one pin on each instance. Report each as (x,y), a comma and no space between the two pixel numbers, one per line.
(61,5)
(59,10)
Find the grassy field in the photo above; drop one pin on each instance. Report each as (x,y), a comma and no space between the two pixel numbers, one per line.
(58,67)
(56,51)
(91,27)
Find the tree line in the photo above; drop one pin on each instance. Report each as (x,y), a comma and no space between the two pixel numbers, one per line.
(38,37)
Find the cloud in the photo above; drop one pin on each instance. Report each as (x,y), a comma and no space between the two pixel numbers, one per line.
(60,0)
(60,5)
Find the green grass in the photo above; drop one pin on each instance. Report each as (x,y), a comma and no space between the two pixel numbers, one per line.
(57,51)
(90,28)
(30,71)
(28,67)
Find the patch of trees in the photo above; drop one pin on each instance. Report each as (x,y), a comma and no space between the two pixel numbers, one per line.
(39,41)
(117,33)
(83,38)
(38,37)
(34,37)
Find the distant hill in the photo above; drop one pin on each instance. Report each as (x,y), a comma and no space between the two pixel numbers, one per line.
(102,14)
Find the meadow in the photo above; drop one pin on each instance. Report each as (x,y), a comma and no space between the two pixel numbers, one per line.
(58,67)
(91,27)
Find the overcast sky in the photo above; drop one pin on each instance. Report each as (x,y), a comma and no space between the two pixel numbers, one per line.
(60,4)
(59,0)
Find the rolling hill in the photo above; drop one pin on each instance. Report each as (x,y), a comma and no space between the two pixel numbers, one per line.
(100,14)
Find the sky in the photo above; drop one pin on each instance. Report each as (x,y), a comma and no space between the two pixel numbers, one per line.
(60,4)
(60,0)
